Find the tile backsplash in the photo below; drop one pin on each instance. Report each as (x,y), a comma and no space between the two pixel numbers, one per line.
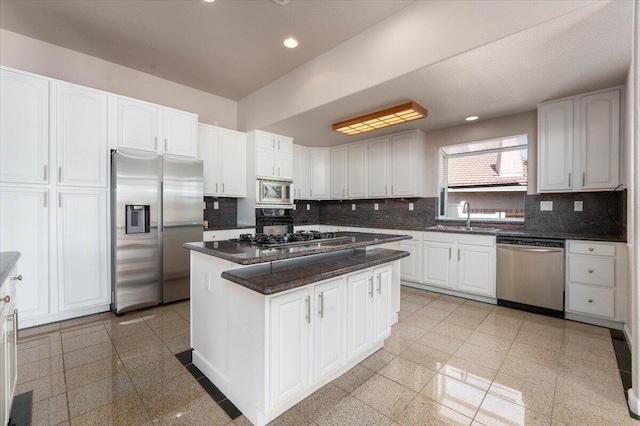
(225,216)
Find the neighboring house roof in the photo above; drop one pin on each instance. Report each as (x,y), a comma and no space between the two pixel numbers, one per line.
(481,170)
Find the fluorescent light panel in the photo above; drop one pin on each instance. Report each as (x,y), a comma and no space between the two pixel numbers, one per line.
(384,118)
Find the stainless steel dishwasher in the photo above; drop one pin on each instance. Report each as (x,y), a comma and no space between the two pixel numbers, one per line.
(530,275)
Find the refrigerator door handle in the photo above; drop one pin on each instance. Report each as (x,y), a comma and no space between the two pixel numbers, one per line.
(161,205)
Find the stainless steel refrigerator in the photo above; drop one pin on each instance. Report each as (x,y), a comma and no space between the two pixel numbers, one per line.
(156,207)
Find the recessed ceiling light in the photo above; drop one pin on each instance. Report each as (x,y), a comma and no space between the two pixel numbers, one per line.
(291,42)
(472,118)
(209,1)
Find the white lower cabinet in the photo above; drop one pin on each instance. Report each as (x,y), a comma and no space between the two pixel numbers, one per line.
(411,266)
(329,323)
(460,262)
(8,344)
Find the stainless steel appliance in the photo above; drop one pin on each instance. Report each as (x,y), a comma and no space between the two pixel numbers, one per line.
(274,221)
(530,275)
(289,239)
(156,207)
(273,193)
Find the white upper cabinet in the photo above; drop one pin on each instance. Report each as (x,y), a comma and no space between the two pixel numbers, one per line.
(273,156)
(600,140)
(339,157)
(320,171)
(24,133)
(357,170)
(149,127)
(407,176)
(179,133)
(223,153)
(301,173)
(555,146)
(379,167)
(137,125)
(579,143)
(80,131)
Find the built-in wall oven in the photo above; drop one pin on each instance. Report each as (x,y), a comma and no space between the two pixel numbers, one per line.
(274,221)
(274,193)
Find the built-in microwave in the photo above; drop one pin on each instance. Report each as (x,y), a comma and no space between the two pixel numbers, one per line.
(274,193)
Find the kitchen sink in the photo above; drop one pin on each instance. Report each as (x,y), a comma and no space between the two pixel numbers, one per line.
(463,228)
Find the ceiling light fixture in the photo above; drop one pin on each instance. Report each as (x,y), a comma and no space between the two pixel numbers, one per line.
(290,42)
(472,118)
(384,118)
(209,1)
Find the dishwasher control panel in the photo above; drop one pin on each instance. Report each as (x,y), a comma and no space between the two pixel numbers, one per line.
(533,242)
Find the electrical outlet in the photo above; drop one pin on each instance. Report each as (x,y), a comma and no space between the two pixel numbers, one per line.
(205,223)
(410,207)
(375,206)
(294,206)
(546,206)
(204,205)
(308,206)
(216,205)
(578,206)
(353,206)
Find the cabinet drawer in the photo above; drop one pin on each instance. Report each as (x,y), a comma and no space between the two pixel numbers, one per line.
(477,240)
(440,237)
(214,236)
(591,300)
(598,249)
(592,270)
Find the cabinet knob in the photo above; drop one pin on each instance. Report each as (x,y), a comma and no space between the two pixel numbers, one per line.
(590,248)
(591,271)
(19,278)
(6,299)
(590,300)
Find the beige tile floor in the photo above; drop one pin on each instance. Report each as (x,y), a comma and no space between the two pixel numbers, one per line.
(448,361)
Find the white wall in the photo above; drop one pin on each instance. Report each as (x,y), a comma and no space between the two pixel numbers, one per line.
(517,124)
(28,54)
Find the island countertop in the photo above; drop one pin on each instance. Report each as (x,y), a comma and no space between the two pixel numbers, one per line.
(248,254)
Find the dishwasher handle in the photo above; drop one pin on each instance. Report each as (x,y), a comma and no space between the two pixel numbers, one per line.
(530,248)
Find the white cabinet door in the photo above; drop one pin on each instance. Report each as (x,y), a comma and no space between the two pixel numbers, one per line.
(382,277)
(289,350)
(328,327)
(379,167)
(411,266)
(266,163)
(265,140)
(233,163)
(339,172)
(600,140)
(320,164)
(359,306)
(555,146)
(301,172)
(405,167)
(137,125)
(80,123)
(477,270)
(209,153)
(179,133)
(438,265)
(24,227)
(284,166)
(357,170)
(82,249)
(24,133)
(284,144)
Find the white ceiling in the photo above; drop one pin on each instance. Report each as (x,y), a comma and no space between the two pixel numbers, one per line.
(229,48)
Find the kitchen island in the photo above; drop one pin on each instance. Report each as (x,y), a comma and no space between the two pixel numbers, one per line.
(269,326)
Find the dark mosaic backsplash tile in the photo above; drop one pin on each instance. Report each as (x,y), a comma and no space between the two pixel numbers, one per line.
(604,213)
(302,216)
(225,216)
(391,213)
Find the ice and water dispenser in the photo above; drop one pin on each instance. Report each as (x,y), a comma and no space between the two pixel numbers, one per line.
(138,219)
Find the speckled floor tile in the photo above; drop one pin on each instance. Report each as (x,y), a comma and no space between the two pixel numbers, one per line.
(483,356)
(455,331)
(497,411)
(353,378)
(443,305)
(352,412)
(472,311)
(441,342)
(40,330)
(605,375)
(418,299)
(545,329)
(503,320)
(571,337)
(409,307)
(49,338)
(462,320)
(83,321)
(320,401)
(291,417)
(80,330)
(590,391)
(452,299)
(495,329)
(529,371)
(420,321)
(126,411)
(523,393)
(122,327)
(89,354)
(603,358)
(89,397)
(156,371)
(378,360)
(38,369)
(407,331)
(539,356)
(423,411)
(158,319)
(396,344)
(202,411)
(489,341)
(178,328)
(407,373)
(170,394)
(434,313)
(70,344)
(178,344)
(588,330)
(406,291)
(36,353)
(425,356)
(575,412)
(454,394)
(468,372)
(44,387)
(50,411)
(93,371)
(541,341)
(387,396)
(151,351)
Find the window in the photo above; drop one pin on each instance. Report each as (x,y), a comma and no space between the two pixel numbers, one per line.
(490,175)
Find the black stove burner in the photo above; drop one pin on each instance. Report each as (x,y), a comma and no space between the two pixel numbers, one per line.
(296,237)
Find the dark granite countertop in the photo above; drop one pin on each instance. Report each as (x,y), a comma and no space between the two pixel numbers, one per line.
(282,276)
(247,254)
(8,260)
(237,226)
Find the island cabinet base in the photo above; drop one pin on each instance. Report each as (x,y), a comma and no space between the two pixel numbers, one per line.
(268,352)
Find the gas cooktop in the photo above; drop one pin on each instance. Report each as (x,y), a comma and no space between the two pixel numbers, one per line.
(295,238)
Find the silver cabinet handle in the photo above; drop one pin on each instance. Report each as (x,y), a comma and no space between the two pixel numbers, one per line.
(391,189)
(308,302)
(379,283)
(371,286)
(322,304)
(583,178)
(273,143)
(165,144)
(449,253)
(569,180)
(60,200)
(15,326)
(19,278)
(223,187)
(278,170)
(311,193)
(45,200)
(216,187)
(155,143)
(6,299)
(59,174)
(343,192)
(45,172)
(590,300)
(385,190)
(278,145)
(458,255)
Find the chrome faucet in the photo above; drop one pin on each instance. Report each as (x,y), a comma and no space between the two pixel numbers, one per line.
(466,208)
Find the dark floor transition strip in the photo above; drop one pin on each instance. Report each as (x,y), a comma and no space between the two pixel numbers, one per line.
(21,410)
(623,356)
(186,359)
